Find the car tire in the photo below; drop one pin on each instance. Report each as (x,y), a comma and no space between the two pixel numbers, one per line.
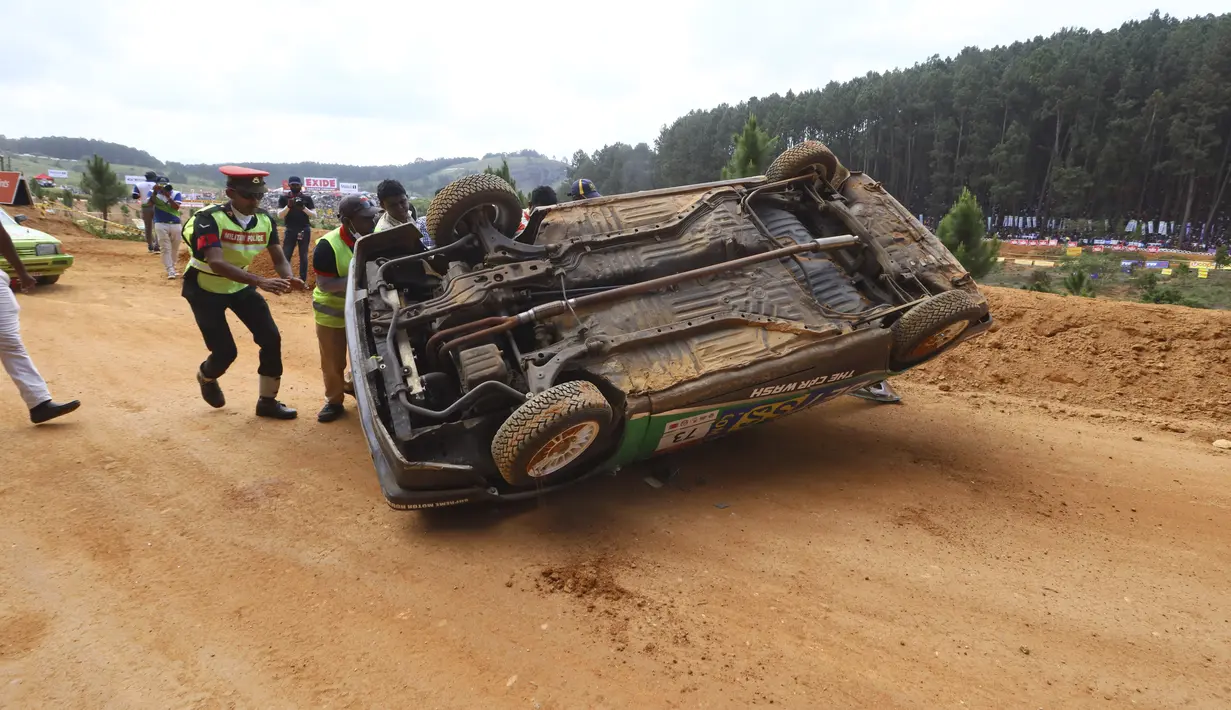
(807,157)
(928,328)
(464,195)
(549,435)
(47,280)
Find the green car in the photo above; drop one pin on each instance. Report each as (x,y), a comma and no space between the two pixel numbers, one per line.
(510,361)
(42,254)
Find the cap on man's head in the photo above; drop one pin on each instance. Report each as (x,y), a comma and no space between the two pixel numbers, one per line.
(294,181)
(151,176)
(353,206)
(583,189)
(163,180)
(245,179)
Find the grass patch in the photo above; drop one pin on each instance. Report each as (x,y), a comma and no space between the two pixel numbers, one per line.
(1181,287)
(123,234)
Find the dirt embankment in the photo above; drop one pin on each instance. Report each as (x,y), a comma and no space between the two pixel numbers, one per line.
(1159,360)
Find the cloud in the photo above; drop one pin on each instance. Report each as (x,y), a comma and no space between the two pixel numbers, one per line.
(382,82)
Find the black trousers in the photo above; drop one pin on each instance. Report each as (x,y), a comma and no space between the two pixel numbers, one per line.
(298,237)
(210,311)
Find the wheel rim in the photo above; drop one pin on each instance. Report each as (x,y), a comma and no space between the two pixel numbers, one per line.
(494,213)
(563,449)
(939,339)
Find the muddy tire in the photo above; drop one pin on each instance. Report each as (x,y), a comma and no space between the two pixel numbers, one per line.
(472,192)
(929,327)
(550,434)
(807,157)
(47,280)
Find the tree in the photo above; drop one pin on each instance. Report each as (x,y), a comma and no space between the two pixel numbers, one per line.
(1078,283)
(752,150)
(1221,258)
(66,196)
(1130,123)
(962,232)
(503,173)
(106,190)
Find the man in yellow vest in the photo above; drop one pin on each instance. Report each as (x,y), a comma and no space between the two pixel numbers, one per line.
(331,263)
(224,240)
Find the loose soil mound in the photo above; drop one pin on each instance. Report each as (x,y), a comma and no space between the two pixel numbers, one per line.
(1099,353)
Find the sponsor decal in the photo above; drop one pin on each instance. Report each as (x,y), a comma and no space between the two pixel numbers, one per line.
(435,504)
(800,385)
(736,418)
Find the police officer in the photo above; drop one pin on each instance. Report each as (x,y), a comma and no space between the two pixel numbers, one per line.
(224,239)
(331,263)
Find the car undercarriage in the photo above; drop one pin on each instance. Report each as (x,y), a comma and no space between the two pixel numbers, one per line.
(502,364)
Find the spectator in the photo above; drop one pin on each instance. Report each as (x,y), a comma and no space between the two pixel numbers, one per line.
(541,196)
(398,210)
(297,210)
(167,227)
(142,192)
(583,189)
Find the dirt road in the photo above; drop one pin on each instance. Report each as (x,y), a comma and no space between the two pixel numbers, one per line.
(983,545)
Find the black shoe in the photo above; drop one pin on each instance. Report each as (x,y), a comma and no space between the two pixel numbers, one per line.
(211,392)
(272,408)
(330,412)
(46,411)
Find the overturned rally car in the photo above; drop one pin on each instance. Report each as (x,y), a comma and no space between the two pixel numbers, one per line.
(503,364)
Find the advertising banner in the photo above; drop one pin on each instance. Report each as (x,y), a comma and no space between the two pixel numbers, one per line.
(319,183)
(134,179)
(8,187)
(1073,251)
(1098,250)
(57,174)
(1157,264)
(348,187)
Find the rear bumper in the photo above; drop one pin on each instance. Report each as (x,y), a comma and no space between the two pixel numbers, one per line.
(41,265)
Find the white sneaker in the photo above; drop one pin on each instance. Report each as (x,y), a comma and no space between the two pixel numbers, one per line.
(172,275)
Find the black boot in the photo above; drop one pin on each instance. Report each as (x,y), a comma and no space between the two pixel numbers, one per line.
(211,391)
(46,411)
(272,408)
(330,412)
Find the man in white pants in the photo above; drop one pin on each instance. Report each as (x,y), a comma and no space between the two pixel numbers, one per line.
(167,226)
(13,353)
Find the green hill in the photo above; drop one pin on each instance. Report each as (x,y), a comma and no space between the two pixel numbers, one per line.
(33,156)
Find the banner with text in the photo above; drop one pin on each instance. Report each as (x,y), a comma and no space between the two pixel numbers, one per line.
(57,174)
(8,187)
(319,183)
(348,187)
(134,179)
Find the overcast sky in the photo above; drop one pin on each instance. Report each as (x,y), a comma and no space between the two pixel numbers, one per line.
(383,83)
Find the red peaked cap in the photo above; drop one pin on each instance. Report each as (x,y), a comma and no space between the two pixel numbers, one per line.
(245,178)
